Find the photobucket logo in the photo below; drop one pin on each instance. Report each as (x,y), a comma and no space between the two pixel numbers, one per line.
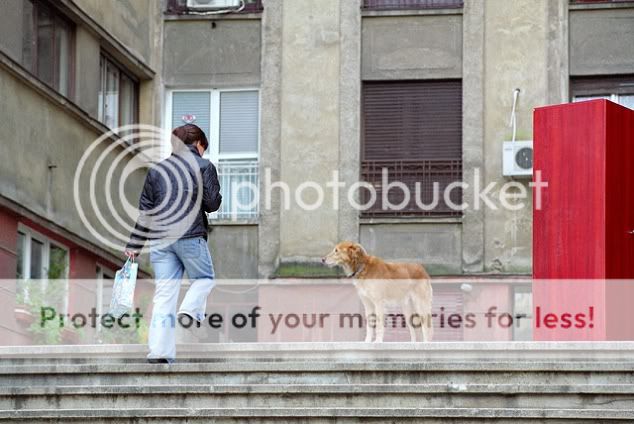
(386,194)
(119,158)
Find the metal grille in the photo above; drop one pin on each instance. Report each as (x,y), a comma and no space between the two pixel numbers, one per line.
(423,173)
(232,174)
(410,4)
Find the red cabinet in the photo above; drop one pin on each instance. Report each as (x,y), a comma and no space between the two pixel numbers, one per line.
(583,228)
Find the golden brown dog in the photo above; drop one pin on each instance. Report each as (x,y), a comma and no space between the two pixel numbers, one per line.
(380,283)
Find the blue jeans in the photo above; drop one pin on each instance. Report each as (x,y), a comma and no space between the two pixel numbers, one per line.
(189,255)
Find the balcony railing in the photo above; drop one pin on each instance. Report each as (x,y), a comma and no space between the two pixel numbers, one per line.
(239,188)
(423,173)
(410,4)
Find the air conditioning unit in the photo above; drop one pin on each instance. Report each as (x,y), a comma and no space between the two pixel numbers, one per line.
(213,4)
(517,158)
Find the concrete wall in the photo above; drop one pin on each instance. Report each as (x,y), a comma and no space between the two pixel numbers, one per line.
(411,47)
(133,22)
(437,246)
(11,22)
(205,53)
(234,249)
(601,41)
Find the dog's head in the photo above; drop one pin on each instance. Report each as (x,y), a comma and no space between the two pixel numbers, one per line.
(346,254)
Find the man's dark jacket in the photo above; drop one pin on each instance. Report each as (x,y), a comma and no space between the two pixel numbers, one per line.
(182,170)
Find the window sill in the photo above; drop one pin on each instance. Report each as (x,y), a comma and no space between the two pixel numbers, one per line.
(228,17)
(411,220)
(229,222)
(602,5)
(370,13)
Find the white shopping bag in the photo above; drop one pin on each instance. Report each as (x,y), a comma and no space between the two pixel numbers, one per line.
(123,289)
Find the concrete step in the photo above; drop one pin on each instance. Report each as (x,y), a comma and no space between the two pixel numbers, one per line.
(618,397)
(288,414)
(353,382)
(318,373)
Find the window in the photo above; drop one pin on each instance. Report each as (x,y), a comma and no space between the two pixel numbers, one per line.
(105,282)
(413,131)
(231,120)
(47,40)
(40,258)
(410,4)
(619,89)
(523,307)
(118,95)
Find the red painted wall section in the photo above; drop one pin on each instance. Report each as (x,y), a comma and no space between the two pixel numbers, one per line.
(8,244)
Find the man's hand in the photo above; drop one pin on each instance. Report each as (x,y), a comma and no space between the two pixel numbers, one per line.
(131,254)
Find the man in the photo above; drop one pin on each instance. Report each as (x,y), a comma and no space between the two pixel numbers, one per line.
(177,194)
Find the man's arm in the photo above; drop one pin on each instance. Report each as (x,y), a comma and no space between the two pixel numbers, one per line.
(143,224)
(211,189)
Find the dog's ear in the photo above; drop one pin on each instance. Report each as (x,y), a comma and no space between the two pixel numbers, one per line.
(360,249)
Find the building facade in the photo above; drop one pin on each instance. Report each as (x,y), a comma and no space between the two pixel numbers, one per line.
(294,91)
(70,71)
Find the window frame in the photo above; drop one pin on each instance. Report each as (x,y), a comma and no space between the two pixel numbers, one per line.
(213,152)
(56,16)
(107,59)
(31,234)
(609,87)
(100,271)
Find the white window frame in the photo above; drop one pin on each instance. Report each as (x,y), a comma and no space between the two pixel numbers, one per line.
(31,234)
(100,271)
(213,152)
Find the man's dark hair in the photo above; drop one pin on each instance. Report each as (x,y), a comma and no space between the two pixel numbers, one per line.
(189,134)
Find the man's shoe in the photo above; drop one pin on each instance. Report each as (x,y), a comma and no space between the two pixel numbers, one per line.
(159,361)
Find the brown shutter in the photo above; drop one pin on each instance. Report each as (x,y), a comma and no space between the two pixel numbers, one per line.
(413,129)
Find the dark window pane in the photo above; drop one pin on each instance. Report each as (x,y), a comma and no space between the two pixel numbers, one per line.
(127,101)
(37,253)
(111,97)
(62,51)
(45,48)
(58,262)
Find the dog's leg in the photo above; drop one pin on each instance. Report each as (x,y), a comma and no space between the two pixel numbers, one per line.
(408,312)
(369,310)
(380,321)
(427,326)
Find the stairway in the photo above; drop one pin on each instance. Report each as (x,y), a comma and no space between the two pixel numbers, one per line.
(321,382)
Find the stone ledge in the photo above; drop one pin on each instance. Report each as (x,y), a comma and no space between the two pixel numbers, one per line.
(311,366)
(335,388)
(471,413)
(211,349)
